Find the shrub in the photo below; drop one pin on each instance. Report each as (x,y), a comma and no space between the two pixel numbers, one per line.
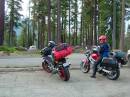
(20,48)
(7,49)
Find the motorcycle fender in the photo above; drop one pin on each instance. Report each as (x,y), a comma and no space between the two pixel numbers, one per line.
(66,65)
(117,65)
(85,60)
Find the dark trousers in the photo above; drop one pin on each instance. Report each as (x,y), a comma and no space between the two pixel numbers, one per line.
(95,66)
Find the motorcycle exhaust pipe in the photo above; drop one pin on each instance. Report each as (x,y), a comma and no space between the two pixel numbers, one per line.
(106,71)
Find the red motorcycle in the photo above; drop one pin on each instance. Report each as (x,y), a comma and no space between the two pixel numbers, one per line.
(56,62)
(109,67)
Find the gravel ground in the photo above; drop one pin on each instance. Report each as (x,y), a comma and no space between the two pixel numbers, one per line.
(42,84)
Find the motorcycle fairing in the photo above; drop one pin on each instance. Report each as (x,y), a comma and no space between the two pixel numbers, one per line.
(85,60)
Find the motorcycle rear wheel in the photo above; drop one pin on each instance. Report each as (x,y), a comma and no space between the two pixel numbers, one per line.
(64,73)
(114,75)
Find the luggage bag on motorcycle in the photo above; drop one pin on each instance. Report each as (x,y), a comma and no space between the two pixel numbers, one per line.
(62,51)
(121,56)
(109,62)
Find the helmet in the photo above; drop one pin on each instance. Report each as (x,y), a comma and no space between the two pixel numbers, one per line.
(102,39)
(51,44)
(95,49)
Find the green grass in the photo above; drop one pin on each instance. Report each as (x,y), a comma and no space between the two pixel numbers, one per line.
(17,51)
(27,53)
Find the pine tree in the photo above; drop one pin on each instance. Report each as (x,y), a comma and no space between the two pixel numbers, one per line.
(2,15)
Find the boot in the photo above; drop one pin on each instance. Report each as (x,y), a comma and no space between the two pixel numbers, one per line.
(93,76)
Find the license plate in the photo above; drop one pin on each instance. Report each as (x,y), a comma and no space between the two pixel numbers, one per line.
(66,64)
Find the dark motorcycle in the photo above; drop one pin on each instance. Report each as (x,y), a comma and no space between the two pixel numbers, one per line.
(109,67)
(56,62)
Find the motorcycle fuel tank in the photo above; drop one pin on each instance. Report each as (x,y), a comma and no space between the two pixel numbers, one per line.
(95,56)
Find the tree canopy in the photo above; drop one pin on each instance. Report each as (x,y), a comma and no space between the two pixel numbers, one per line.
(78,22)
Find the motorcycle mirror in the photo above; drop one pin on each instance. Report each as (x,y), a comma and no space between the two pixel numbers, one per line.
(86,47)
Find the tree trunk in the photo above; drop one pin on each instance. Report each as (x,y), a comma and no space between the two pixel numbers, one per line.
(95,21)
(49,20)
(122,26)
(83,34)
(11,29)
(65,32)
(54,29)
(69,20)
(62,28)
(34,25)
(81,30)
(74,32)
(76,20)
(114,26)
(39,33)
(58,21)
(2,14)
(29,34)
(43,32)
(91,27)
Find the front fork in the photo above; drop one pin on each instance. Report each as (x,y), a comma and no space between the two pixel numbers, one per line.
(56,69)
(50,65)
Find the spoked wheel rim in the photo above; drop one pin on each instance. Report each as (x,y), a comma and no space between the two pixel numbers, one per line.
(84,67)
(62,73)
(114,74)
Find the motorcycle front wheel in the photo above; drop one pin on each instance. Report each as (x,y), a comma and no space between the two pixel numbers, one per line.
(45,67)
(64,73)
(85,68)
